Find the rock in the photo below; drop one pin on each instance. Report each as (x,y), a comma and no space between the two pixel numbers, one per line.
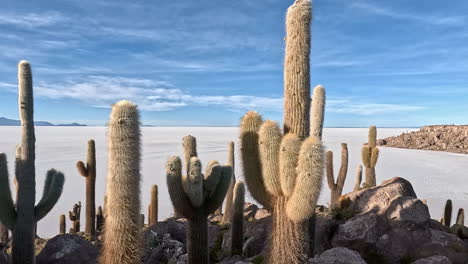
(433,260)
(234,260)
(444,244)
(215,218)
(378,198)
(407,212)
(39,244)
(168,251)
(460,231)
(256,236)
(338,255)
(249,210)
(69,248)
(359,233)
(262,213)
(4,258)
(399,243)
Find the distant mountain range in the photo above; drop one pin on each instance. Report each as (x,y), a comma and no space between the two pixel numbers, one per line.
(11,122)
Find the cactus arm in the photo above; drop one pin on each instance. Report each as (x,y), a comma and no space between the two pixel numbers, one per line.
(461,217)
(317,111)
(52,190)
(218,196)
(80,166)
(179,199)
(330,176)
(357,184)
(7,208)
(343,168)
(288,158)
(193,183)
(372,136)
(373,157)
(301,204)
(211,179)
(189,143)
(269,137)
(252,168)
(366,156)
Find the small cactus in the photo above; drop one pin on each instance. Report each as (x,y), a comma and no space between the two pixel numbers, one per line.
(357,184)
(447,219)
(228,208)
(238,219)
(99,219)
(195,196)
(22,217)
(461,217)
(153,207)
(75,216)
(89,172)
(370,154)
(337,188)
(122,233)
(62,225)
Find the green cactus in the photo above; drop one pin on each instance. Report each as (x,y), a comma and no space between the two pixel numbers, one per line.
(228,208)
(75,216)
(89,172)
(461,217)
(153,207)
(237,228)
(122,233)
(195,196)
(357,184)
(447,219)
(99,219)
(370,154)
(22,217)
(62,225)
(337,188)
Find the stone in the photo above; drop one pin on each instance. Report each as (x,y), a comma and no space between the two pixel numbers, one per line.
(433,260)
(250,210)
(68,248)
(338,255)
(167,251)
(359,232)
(408,212)
(444,244)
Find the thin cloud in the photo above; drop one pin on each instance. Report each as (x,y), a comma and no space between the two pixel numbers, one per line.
(346,106)
(32,19)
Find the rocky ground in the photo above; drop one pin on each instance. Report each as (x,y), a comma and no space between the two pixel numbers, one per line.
(442,138)
(384,224)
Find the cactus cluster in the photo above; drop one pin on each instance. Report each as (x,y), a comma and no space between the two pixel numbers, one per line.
(370,154)
(21,217)
(75,216)
(122,233)
(89,172)
(337,188)
(196,195)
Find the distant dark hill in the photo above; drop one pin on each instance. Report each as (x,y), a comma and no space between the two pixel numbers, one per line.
(11,122)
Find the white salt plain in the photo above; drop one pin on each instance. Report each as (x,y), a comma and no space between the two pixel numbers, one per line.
(436,176)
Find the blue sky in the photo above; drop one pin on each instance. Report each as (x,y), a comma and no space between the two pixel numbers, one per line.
(205,63)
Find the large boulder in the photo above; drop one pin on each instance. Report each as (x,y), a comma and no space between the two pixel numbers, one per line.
(69,248)
(167,251)
(378,199)
(255,237)
(433,260)
(407,212)
(358,233)
(444,244)
(338,255)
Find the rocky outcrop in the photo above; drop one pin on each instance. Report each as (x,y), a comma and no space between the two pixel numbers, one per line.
(442,138)
(338,255)
(69,248)
(433,260)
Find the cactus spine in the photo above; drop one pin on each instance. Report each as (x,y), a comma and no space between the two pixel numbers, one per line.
(153,208)
(357,184)
(75,216)
(22,217)
(228,208)
(370,154)
(62,225)
(461,217)
(99,220)
(238,219)
(195,196)
(447,214)
(337,188)
(89,172)
(122,233)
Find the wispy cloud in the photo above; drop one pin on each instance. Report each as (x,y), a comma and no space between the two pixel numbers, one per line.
(360,107)
(427,19)
(31,19)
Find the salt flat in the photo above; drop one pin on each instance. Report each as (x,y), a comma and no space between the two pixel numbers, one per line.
(436,176)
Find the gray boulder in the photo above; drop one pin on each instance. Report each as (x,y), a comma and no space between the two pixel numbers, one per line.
(359,233)
(433,260)
(167,251)
(68,248)
(338,255)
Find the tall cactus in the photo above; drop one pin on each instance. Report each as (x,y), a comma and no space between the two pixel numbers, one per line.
(228,208)
(153,207)
(196,196)
(237,228)
(337,188)
(22,217)
(122,233)
(370,154)
(62,224)
(89,172)
(358,180)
